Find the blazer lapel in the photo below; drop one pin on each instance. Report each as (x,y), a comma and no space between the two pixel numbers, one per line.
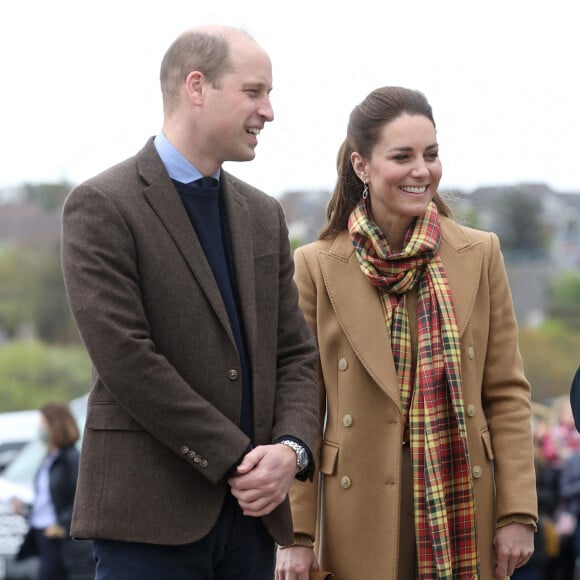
(240,226)
(359,311)
(166,203)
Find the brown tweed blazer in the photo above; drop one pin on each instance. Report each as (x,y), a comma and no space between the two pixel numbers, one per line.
(162,424)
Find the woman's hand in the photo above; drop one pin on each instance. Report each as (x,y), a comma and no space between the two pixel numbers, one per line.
(55,531)
(295,563)
(18,506)
(514,546)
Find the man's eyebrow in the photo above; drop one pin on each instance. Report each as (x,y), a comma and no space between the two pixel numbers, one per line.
(258,85)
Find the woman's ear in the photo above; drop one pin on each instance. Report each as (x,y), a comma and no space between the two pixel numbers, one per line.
(359,165)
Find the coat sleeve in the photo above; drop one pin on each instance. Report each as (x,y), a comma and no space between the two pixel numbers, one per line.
(575,398)
(304,495)
(506,398)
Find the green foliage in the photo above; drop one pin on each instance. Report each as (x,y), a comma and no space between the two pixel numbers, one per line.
(33,295)
(47,195)
(468,217)
(551,357)
(564,296)
(16,273)
(295,243)
(32,373)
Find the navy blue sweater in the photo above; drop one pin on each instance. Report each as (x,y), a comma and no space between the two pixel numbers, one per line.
(204,206)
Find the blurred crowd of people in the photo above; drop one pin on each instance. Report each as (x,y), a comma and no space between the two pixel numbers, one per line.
(557,448)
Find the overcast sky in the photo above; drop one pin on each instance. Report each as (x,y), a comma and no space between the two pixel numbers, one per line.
(80,86)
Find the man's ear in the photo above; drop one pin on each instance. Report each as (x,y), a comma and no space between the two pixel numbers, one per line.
(195,86)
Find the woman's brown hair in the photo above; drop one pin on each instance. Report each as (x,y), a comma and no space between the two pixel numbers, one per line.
(365,125)
(62,427)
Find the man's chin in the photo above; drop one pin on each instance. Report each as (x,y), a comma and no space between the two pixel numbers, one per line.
(247,155)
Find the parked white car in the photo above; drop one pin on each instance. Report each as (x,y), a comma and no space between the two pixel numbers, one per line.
(16,429)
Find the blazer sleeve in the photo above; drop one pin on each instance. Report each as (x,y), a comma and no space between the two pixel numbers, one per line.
(296,410)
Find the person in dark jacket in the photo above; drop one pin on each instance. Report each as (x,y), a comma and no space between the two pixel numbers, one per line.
(575,398)
(51,512)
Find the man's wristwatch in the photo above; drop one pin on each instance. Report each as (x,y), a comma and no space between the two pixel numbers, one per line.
(301,455)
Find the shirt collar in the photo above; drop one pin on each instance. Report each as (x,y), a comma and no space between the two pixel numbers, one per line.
(178,167)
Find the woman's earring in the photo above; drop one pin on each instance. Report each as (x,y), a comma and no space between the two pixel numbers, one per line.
(365,192)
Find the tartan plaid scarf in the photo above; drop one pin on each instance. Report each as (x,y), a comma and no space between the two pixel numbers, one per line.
(430,394)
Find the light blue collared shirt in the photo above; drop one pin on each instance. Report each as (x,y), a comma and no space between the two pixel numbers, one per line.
(178,167)
(43,512)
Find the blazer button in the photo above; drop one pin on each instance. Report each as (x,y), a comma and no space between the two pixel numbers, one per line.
(203,463)
(347,420)
(233,374)
(471,352)
(476,471)
(197,459)
(345,482)
(192,454)
(342,364)
(471,410)
(184,449)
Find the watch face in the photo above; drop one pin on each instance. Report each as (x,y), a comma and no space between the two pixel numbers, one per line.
(301,455)
(302,459)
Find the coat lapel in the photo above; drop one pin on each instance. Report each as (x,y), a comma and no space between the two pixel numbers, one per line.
(462,260)
(358,309)
(365,327)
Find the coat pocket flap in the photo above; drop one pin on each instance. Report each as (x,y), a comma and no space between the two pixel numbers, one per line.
(486,438)
(328,457)
(110,417)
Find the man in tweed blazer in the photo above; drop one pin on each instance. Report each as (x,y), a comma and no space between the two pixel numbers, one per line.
(203,363)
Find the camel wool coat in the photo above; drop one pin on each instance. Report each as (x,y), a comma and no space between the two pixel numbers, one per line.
(352,506)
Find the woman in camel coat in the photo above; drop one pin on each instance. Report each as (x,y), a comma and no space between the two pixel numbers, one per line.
(360,513)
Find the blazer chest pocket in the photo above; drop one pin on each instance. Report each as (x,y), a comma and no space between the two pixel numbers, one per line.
(110,417)
(266,262)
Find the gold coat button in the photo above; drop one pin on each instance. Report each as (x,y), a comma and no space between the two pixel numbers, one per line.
(345,482)
(476,471)
(347,420)
(471,410)
(233,374)
(471,352)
